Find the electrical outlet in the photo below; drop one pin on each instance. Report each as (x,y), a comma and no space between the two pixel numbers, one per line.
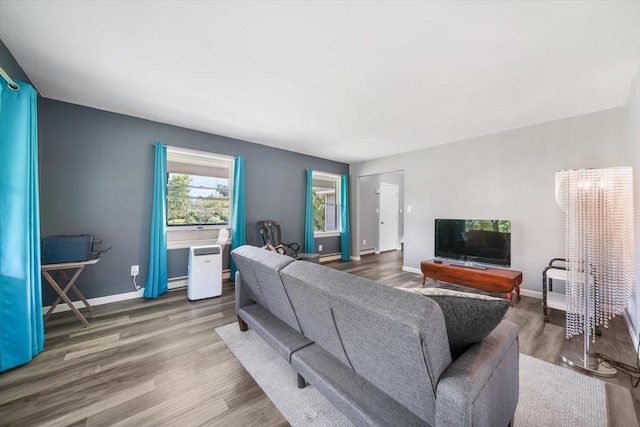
(319,248)
(135,270)
(364,242)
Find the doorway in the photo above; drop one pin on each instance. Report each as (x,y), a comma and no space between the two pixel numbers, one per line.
(389,208)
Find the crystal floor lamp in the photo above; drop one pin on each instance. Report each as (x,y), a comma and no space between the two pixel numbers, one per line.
(598,207)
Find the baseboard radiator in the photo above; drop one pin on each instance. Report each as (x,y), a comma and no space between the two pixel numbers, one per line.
(330,257)
(181,281)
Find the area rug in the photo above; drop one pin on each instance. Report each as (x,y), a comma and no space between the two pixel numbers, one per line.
(549,394)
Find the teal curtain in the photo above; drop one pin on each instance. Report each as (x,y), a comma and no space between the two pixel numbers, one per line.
(238,223)
(21,324)
(344,217)
(157,275)
(309,240)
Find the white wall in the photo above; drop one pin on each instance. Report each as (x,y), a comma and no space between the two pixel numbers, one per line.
(509,175)
(632,153)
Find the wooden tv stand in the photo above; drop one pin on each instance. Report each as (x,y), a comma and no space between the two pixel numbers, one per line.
(490,280)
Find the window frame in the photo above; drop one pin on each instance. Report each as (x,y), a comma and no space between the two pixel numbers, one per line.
(180,235)
(336,178)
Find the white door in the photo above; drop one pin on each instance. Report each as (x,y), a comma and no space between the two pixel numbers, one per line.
(388,217)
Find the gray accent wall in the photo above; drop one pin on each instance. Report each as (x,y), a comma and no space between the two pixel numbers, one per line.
(178,260)
(97,177)
(632,154)
(330,245)
(508,175)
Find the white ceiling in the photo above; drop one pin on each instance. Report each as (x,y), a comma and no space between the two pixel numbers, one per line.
(347,81)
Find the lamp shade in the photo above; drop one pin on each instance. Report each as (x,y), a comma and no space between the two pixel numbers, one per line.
(598,207)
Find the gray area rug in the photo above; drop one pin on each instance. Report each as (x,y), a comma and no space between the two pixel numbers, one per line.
(549,394)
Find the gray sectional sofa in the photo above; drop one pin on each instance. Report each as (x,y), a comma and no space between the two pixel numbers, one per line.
(380,355)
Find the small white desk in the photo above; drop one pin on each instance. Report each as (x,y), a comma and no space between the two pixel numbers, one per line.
(552,299)
(70,285)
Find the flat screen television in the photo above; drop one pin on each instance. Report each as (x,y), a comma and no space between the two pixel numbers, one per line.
(475,240)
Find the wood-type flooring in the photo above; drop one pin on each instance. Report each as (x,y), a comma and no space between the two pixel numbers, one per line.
(161,363)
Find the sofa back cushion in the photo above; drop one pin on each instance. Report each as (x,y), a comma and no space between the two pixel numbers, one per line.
(469,317)
(392,339)
(259,271)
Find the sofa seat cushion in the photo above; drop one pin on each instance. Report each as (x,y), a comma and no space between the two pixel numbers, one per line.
(282,337)
(469,317)
(360,401)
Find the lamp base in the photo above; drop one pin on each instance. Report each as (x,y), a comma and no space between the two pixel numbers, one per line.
(592,366)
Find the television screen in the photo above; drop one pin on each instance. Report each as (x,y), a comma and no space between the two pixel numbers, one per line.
(477,240)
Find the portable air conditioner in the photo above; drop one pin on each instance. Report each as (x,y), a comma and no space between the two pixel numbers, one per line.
(205,272)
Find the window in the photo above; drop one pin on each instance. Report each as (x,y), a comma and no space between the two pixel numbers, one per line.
(326,209)
(198,188)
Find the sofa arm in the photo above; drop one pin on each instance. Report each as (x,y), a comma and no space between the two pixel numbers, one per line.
(480,388)
(242,296)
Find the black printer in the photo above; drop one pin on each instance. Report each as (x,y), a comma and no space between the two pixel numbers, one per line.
(60,249)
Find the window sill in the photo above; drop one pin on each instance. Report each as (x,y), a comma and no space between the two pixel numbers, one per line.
(181,239)
(186,244)
(178,228)
(321,234)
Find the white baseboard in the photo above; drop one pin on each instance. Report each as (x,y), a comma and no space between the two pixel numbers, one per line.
(97,301)
(532,294)
(367,252)
(411,269)
(174,283)
(355,258)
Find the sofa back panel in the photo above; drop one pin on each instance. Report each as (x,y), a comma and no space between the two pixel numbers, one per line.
(388,354)
(313,310)
(395,341)
(259,272)
(249,281)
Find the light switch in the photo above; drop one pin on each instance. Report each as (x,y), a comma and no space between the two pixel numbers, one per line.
(409,209)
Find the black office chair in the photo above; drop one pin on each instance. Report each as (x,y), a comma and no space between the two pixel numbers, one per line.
(272,235)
